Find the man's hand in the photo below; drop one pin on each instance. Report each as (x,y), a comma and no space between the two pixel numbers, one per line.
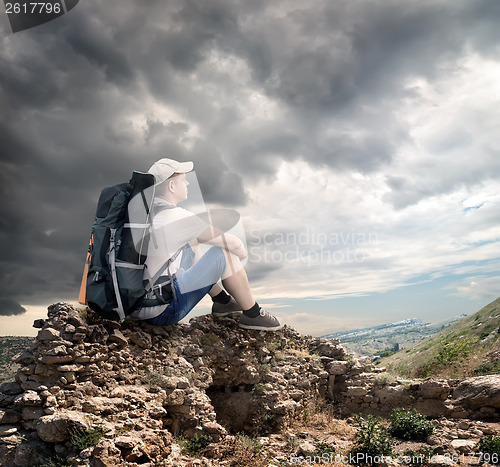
(240,251)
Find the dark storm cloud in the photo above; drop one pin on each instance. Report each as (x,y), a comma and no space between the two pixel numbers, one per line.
(10,307)
(78,98)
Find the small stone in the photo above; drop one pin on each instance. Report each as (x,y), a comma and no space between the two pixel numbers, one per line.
(11,388)
(48,334)
(56,428)
(32,413)
(28,398)
(463,446)
(7,430)
(306,448)
(118,337)
(9,416)
(24,358)
(70,368)
(38,323)
(356,391)
(176,397)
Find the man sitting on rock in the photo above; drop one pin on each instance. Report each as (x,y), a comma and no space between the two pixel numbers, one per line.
(176,235)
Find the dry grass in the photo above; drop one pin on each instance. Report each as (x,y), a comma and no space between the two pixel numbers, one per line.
(242,451)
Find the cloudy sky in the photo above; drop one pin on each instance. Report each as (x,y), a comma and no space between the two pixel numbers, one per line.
(357,139)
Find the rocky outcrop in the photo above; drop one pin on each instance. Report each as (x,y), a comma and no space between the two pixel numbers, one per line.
(136,388)
(141,385)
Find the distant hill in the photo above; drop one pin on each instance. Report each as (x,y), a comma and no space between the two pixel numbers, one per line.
(9,347)
(388,338)
(468,347)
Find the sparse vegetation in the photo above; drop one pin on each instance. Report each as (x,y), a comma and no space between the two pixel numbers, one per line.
(488,368)
(252,443)
(209,338)
(469,347)
(243,451)
(384,379)
(410,425)
(123,430)
(372,440)
(489,447)
(323,448)
(152,380)
(85,438)
(90,316)
(194,446)
(450,350)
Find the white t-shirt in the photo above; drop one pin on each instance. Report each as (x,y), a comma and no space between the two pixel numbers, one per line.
(172,228)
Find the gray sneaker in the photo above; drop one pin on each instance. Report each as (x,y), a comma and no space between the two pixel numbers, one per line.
(219,309)
(264,322)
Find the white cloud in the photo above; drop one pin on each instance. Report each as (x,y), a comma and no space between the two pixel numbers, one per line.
(482,288)
(292,217)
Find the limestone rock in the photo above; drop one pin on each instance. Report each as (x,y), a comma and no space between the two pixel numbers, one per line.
(478,392)
(7,430)
(28,398)
(48,334)
(434,389)
(338,367)
(57,428)
(11,388)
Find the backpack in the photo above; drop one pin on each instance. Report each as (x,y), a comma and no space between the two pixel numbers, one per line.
(112,283)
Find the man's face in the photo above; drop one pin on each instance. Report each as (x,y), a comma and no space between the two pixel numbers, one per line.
(180,184)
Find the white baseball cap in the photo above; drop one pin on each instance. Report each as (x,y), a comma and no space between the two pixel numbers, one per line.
(165,168)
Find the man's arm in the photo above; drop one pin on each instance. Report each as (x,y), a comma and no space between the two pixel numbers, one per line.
(228,242)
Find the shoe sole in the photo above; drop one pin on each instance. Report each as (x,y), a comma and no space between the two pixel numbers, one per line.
(261,328)
(227,313)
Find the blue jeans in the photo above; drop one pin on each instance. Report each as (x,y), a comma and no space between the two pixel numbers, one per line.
(196,282)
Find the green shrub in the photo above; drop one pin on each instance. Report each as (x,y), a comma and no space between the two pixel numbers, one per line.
(322,447)
(489,447)
(84,439)
(372,441)
(194,446)
(410,425)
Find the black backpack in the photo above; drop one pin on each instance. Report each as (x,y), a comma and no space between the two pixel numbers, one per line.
(112,283)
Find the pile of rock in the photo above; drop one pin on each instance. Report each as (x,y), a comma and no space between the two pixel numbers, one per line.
(142,384)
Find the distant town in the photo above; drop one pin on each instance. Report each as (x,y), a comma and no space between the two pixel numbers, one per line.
(383,339)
